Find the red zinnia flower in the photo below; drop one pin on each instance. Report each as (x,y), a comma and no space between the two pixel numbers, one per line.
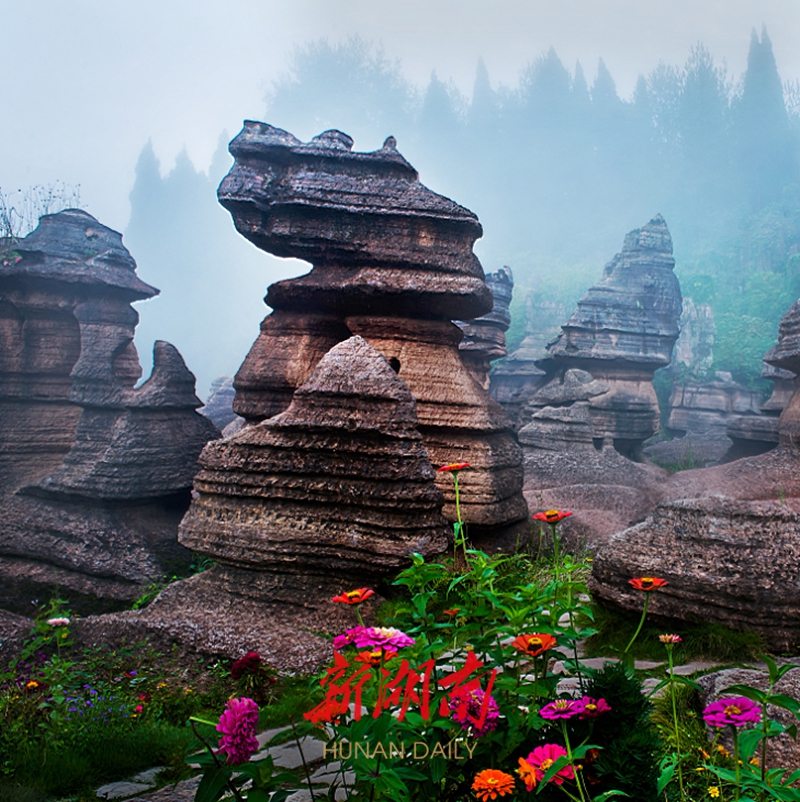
(249,663)
(491,783)
(534,645)
(647,583)
(453,467)
(452,612)
(354,596)
(552,516)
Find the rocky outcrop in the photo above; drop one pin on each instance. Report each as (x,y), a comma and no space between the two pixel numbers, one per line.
(694,349)
(485,337)
(589,418)
(725,538)
(338,486)
(219,406)
(392,262)
(622,331)
(725,560)
(333,493)
(94,472)
(516,378)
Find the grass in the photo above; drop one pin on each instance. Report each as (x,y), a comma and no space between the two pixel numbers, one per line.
(701,640)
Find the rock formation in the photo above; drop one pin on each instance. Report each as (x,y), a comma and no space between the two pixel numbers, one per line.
(392,262)
(335,492)
(485,337)
(622,331)
(338,488)
(219,406)
(516,378)
(598,404)
(725,538)
(94,473)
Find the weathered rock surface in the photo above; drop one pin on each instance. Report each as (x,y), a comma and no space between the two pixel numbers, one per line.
(694,348)
(485,337)
(377,238)
(725,560)
(94,472)
(622,331)
(338,488)
(219,406)
(516,378)
(392,262)
(598,405)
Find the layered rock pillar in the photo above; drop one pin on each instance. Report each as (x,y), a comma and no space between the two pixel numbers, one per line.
(392,262)
(95,473)
(621,332)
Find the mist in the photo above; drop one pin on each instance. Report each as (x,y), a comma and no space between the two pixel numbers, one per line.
(562,128)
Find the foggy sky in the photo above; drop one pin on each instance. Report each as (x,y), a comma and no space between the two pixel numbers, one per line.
(88,82)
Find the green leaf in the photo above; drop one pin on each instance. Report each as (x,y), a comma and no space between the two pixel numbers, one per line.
(212,785)
(748,692)
(786,702)
(667,773)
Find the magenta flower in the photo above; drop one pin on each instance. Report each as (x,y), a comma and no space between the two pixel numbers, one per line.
(540,760)
(381,638)
(467,706)
(737,711)
(562,708)
(592,708)
(347,638)
(238,725)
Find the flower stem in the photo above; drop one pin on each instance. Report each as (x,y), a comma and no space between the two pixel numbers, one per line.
(572,762)
(641,623)
(460,536)
(737,767)
(675,719)
(220,767)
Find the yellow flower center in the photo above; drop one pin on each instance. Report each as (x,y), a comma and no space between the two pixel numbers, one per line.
(353,594)
(491,781)
(732,710)
(546,763)
(561,704)
(591,707)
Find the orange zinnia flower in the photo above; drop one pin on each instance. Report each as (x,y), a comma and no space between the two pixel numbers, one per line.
(552,516)
(354,596)
(453,612)
(647,583)
(534,645)
(373,658)
(527,774)
(491,783)
(453,467)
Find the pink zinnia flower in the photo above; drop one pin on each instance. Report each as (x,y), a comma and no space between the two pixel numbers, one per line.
(592,708)
(347,638)
(381,638)
(562,708)
(737,711)
(238,725)
(466,708)
(543,757)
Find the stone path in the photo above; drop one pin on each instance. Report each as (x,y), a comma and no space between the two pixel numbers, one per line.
(287,755)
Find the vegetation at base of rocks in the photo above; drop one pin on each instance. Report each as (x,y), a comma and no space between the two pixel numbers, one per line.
(72,719)
(474,655)
(198,564)
(701,641)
